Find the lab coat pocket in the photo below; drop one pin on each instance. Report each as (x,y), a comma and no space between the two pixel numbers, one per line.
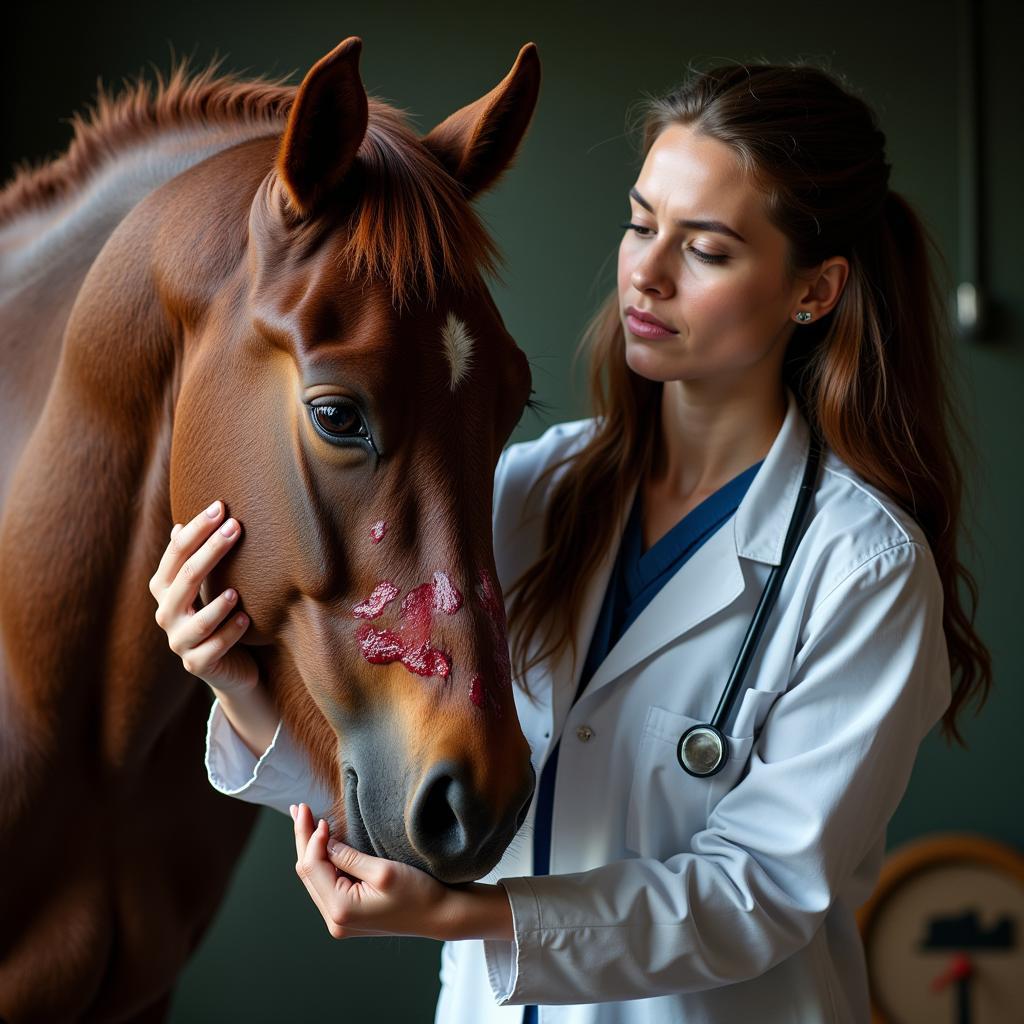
(666,805)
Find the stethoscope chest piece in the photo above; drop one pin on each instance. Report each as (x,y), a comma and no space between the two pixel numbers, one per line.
(702,750)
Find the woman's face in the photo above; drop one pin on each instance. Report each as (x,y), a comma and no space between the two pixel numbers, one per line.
(719,288)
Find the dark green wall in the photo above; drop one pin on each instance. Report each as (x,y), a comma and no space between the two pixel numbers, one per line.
(268,956)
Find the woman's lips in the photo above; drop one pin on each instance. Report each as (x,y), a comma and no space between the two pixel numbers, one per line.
(646,328)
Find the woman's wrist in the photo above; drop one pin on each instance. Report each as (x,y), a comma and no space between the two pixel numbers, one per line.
(476,911)
(252,715)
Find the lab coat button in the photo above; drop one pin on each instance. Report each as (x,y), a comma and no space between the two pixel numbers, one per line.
(583,733)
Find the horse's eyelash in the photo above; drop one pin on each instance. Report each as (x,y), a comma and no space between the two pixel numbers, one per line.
(536,404)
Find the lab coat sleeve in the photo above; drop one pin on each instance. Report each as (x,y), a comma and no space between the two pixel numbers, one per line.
(832,761)
(279,777)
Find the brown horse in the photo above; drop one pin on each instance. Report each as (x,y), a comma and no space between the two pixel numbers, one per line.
(275,296)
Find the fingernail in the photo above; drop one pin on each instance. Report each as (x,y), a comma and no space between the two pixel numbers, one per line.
(213,510)
(228,528)
(175,529)
(229,594)
(332,846)
(291,810)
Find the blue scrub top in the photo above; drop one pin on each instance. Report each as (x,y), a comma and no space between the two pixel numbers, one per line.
(637,577)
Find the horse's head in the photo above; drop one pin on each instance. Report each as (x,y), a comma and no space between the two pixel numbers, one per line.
(348,396)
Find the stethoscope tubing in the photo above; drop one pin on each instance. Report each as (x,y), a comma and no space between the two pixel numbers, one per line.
(760,617)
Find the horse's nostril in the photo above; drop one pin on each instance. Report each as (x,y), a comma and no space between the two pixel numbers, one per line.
(438,820)
(452,827)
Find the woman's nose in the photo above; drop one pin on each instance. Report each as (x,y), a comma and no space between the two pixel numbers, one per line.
(650,275)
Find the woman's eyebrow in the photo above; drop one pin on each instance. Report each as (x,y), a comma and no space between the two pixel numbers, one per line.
(699,225)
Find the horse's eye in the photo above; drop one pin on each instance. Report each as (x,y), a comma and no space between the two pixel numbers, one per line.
(338,421)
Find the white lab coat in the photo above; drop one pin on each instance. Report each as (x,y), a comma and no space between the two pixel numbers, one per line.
(676,899)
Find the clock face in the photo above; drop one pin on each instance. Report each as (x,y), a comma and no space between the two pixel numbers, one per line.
(944,935)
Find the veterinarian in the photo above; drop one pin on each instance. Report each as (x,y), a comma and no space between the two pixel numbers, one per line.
(774,295)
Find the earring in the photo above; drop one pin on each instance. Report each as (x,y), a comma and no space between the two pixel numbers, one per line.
(803,316)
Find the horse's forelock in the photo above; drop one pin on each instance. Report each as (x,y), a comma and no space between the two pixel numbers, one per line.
(412,226)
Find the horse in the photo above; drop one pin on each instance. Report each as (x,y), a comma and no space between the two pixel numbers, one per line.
(275,295)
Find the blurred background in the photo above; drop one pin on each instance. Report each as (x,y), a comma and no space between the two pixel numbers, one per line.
(556,216)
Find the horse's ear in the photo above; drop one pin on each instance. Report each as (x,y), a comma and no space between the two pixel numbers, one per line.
(326,124)
(478,142)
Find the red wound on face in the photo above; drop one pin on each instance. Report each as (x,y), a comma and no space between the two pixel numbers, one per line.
(374,604)
(417,614)
(487,593)
(383,646)
(476,691)
(410,643)
(427,661)
(482,696)
(377,531)
(488,596)
(379,646)
(446,598)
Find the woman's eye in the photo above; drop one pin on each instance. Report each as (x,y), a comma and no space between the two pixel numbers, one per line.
(707,257)
(700,254)
(338,421)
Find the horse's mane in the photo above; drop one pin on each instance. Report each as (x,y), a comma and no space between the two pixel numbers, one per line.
(411,225)
(117,121)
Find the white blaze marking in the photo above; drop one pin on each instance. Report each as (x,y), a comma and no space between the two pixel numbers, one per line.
(458,347)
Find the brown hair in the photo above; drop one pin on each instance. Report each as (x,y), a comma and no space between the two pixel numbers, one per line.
(871,375)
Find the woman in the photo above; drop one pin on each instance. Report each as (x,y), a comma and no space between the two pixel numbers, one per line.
(769,283)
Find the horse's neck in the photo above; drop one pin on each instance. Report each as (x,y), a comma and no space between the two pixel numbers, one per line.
(46,252)
(84,523)
(70,231)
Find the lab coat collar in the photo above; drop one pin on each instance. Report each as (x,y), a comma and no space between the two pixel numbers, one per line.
(712,578)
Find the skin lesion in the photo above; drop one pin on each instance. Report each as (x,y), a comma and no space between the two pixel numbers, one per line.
(410,642)
(382,595)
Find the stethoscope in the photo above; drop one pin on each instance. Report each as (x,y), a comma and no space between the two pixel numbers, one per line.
(703,749)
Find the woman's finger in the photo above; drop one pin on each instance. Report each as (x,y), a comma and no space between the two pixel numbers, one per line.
(304,832)
(323,882)
(188,632)
(317,874)
(375,870)
(206,655)
(180,594)
(319,869)
(303,829)
(183,543)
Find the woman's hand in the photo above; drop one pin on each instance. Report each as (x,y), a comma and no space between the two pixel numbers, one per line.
(359,895)
(206,647)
